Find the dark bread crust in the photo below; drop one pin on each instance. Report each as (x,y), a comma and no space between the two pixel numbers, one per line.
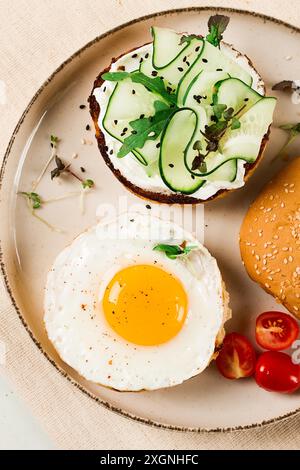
(174,198)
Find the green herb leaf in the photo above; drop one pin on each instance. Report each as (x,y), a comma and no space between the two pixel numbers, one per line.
(115,76)
(235,123)
(88,184)
(187,38)
(197,145)
(154,84)
(293,128)
(216,26)
(173,251)
(146,129)
(34,198)
(228,113)
(294,131)
(60,168)
(53,139)
(219,110)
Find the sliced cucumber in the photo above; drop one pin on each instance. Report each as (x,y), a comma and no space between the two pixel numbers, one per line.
(176,138)
(235,94)
(123,107)
(211,59)
(245,142)
(166,46)
(175,70)
(226,172)
(232,92)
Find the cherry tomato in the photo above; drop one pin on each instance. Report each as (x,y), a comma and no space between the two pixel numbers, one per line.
(237,357)
(276,372)
(276,330)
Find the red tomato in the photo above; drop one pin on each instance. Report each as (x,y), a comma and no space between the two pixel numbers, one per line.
(237,357)
(276,372)
(276,330)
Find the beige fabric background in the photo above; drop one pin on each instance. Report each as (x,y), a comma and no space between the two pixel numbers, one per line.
(35,37)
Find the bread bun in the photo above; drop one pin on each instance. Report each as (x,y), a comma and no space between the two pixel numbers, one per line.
(168,196)
(270,238)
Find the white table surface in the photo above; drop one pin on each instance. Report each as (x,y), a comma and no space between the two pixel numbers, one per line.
(18,427)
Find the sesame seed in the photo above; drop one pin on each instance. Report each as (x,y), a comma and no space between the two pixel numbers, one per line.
(285,261)
(257,272)
(257,257)
(285,248)
(267,285)
(271,197)
(264,262)
(270,277)
(290,259)
(275,237)
(295,308)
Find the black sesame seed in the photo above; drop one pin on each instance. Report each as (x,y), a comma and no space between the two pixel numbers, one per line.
(148,206)
(154,73)
(157,145)
(131,220)
(205,61)
(169,89)
(82,169)
(111,152)
(184,59)
(125,129)
(82,106)
(115,121)
(133,92)
(106,148)
(246,99)
(142,116)
(180,69)
(134,56)
(161,77)
(193,177)
(104,89)
(146,55)
(197,48)
(187,63)
(141,60)
(219,70)
(87,127)
(171,165)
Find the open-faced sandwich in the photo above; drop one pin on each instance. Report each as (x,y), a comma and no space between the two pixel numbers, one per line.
(182,119)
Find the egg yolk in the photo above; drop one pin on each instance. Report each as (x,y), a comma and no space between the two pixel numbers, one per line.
(145,305)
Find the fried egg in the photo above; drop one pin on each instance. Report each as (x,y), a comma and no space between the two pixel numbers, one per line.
(128,317)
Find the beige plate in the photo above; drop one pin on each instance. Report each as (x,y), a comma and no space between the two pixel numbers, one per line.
(208,401)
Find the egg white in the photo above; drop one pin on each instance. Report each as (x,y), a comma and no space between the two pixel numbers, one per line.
(76,324)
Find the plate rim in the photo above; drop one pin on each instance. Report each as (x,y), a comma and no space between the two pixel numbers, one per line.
(5,276)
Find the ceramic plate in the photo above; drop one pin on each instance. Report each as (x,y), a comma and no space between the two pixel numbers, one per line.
(206,402)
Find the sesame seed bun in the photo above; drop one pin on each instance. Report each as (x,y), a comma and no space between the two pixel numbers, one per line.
(270,238)
(165,197)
